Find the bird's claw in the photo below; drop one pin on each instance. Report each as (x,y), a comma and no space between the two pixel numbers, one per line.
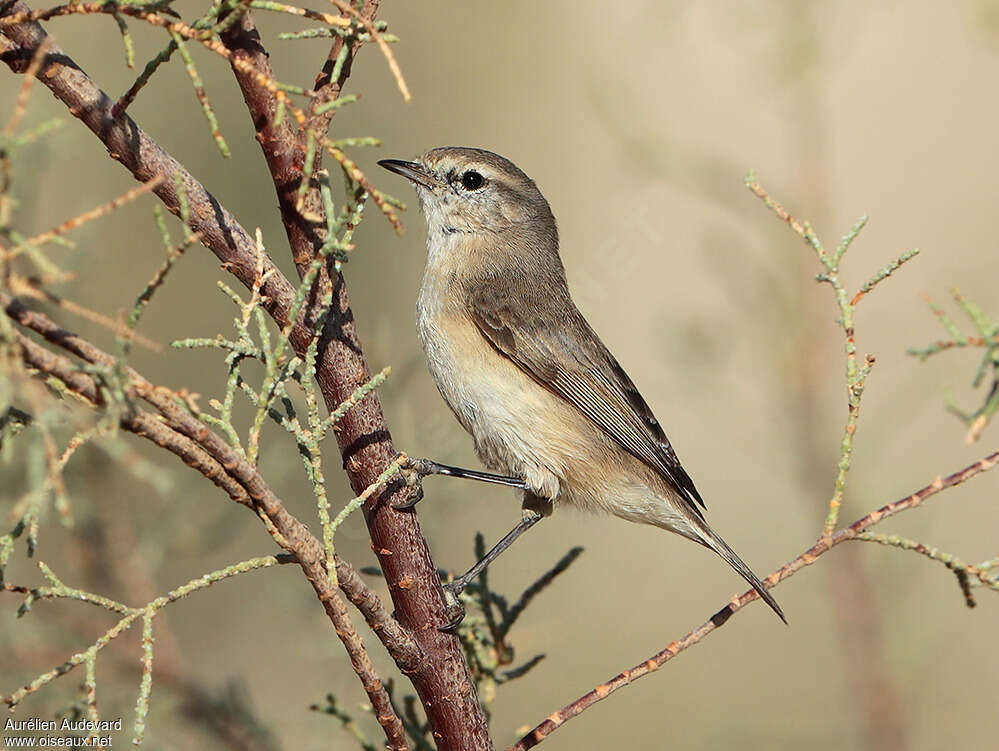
(414,496)
(413,471)
(453,608)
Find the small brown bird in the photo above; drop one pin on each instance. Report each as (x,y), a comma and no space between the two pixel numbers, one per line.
(544,400)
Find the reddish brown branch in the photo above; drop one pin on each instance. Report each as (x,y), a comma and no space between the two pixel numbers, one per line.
(807,558)
(443,680)
(283,145)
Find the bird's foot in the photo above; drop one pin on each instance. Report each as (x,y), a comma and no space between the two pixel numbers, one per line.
(413,471)
(454,610)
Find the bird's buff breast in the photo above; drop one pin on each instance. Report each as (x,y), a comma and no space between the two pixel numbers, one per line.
(516,424)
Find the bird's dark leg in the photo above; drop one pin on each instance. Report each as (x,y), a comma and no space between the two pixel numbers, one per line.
(417,469)
(456,611)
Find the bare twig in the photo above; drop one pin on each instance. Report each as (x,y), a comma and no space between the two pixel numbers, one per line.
(941,344)
(20,106)
(953,563)
(856,375)
(27,288)
(365,20)
(807,558)
(96,213)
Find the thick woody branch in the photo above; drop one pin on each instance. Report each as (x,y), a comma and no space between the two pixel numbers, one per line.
(443,681)
(284,154)
(206,451)
(719,619)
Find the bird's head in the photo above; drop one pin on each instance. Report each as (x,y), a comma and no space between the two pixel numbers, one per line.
(473,191)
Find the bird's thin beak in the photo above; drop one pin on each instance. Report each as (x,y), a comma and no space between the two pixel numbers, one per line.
(410,170)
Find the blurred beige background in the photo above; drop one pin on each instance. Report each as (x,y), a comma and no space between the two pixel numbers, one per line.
(639,121)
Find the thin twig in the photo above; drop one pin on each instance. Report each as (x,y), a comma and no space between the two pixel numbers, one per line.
(856,375)
(24,287)
(96,213)
(21,105)
(347,8)
(952,562)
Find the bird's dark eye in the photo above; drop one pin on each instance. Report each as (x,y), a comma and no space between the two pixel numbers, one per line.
(472,180)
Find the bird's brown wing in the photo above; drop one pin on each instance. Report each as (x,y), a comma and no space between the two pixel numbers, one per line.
(570,360)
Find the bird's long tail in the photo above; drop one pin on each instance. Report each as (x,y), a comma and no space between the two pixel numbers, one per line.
(713,540)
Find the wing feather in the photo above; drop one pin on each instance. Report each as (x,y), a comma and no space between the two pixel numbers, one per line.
(578,368)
